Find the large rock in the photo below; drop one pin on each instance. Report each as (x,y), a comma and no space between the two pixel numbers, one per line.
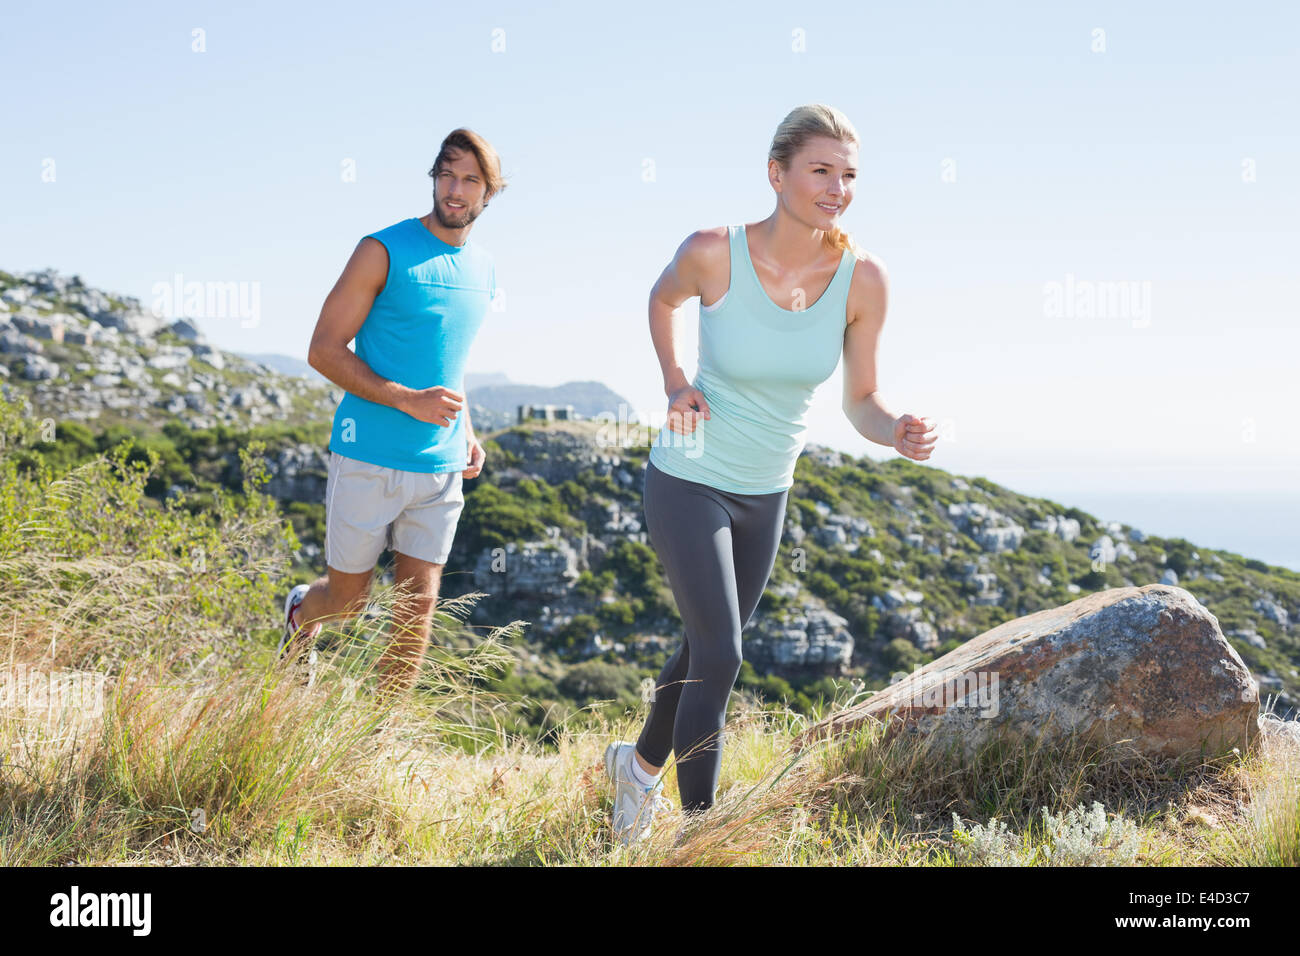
(39,368)
(15,343)
(212,356)
(187,329)
(48,327)
(170,357)
(1273,611)
(144,324)
(82,335)
(1144,663)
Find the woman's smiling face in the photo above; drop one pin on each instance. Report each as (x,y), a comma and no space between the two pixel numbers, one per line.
(818,186)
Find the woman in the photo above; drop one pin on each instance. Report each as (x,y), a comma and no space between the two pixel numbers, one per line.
(780,300)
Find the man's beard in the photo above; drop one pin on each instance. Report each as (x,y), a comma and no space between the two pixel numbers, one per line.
(467,216)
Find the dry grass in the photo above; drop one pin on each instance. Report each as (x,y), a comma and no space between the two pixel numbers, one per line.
(286,774)
(207,751)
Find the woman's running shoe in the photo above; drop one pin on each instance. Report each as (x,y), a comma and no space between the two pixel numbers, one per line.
(634,805)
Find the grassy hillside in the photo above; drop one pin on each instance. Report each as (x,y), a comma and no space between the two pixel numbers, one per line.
(198,748)
(913,546)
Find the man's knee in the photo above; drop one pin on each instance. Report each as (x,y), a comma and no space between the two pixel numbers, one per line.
(417,583)
(348,592)
(415,570)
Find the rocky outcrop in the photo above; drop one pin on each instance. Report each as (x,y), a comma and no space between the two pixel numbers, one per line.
(557,456)
(984,583)
(1148,664)
(40,369)
(298,473)
(14,342)
(805,636)
(1107,551)
(989,528)
(1273,611)
(539,569)
(90,353)
(1067,529)
(840,530)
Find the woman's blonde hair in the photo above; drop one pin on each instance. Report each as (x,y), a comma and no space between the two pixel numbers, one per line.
(802,124)
(466,140)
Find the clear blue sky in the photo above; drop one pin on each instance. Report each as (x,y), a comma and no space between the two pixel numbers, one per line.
(1123,165)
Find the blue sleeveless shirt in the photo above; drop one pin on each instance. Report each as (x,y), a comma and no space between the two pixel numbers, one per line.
(418,333)
(759,365)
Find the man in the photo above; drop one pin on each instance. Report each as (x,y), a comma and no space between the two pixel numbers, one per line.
(413,295)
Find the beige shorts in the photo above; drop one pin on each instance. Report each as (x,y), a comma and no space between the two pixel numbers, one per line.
(369,508)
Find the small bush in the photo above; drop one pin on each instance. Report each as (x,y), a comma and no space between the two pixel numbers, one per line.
(1085,838)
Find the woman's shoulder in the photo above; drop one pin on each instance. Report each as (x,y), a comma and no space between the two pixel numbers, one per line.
(868,269)
(708,247)
(868,287)
(710,237)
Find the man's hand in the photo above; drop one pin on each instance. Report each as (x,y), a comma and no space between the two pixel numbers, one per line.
(476,458)
(436,405)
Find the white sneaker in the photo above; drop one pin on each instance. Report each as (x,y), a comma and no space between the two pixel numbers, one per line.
(634,805)
(291,602)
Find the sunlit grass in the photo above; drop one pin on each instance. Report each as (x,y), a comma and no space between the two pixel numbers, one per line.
(203,749)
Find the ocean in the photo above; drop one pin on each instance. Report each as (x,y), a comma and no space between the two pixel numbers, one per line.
(1260,524)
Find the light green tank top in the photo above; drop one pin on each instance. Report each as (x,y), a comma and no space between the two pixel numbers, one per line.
(759,365)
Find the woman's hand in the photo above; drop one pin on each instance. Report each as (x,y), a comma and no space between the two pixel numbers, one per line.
(914,437)
(686,407)
(476,458)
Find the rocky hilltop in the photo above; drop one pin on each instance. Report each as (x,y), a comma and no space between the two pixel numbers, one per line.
(82,354)
(85,355)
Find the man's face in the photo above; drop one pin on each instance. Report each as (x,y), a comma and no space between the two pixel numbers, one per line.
(458,190)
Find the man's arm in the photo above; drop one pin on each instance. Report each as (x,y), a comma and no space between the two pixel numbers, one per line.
(475,454)
(345,309)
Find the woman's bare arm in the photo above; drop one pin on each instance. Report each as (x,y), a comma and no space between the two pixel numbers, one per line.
(701,252)
(863,404)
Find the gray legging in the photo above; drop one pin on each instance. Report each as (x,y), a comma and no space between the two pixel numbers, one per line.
(718,549)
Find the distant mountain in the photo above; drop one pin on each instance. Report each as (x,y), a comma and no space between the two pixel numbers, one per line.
(502,400)
(480,379)
(284,364)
